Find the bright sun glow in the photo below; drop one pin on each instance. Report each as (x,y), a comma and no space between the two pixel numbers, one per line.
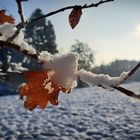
(137,30)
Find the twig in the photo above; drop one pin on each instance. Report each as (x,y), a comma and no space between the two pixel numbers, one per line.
(123,90)
(20,11)
(67,8)
(96,4)
(133,71)
(20,25)
(23,23)
(127,92)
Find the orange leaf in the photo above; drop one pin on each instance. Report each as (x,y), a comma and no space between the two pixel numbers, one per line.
(75,16)
(4,18)
(40,89)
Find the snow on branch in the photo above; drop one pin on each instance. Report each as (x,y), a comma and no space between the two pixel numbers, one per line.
(106,81)
(101,79)
(8,30)
(31,53)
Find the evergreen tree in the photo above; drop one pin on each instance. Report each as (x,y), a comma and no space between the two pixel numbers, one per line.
(40,34)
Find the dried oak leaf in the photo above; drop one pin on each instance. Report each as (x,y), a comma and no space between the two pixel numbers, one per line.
(4,18)
(75,16)
(40,89)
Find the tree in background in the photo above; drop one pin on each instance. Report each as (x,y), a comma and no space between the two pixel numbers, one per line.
(40,35)
(86,58)
(116,67)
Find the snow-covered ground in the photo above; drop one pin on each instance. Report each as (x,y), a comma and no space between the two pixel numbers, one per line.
(85,114)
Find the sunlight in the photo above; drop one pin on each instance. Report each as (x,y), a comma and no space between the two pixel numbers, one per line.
(137,30)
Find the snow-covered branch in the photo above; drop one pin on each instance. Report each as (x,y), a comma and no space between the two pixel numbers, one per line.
(101,79)
(19,48)
(8,30)
(106,81)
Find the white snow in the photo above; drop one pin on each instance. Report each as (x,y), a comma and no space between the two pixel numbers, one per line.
(85,114)
(16,67)
(64,65)
(101,79)
(7,30)
(19,40)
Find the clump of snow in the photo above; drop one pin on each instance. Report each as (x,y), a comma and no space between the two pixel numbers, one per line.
(65,67)
(101,79)
(16,67)
(7,30)
(19,40)
(46,58)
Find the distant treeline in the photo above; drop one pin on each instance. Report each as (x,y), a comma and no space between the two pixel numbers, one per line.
(116,67)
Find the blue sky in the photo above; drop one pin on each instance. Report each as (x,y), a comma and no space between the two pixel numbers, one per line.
(112,30)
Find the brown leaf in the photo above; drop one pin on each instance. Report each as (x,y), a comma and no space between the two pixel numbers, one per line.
(40,89)
(4,18)
(75,16)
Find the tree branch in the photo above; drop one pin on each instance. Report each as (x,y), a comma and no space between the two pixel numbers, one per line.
(133,71)
(69,7)
(127,92)
(20,25)
(122,89)
(17,47)
(20,11)
(35,56)
(23,23)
